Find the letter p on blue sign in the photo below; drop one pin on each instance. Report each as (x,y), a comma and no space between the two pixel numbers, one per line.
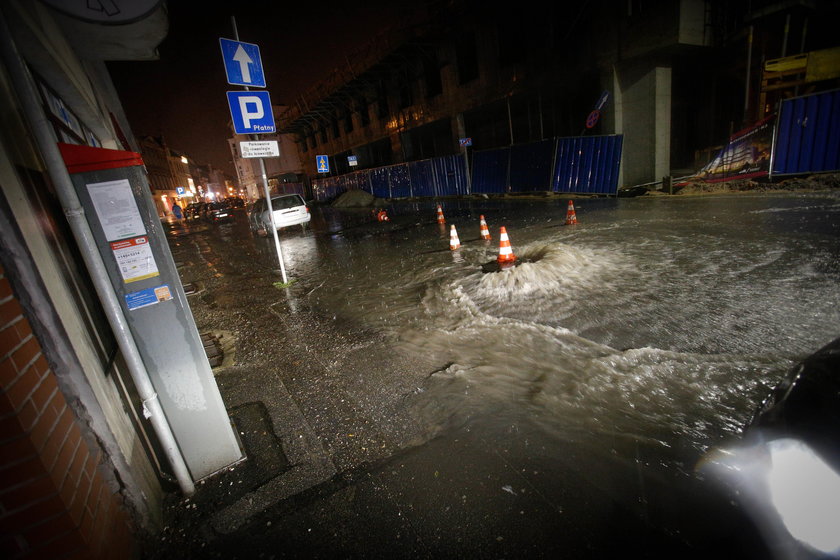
(251,112)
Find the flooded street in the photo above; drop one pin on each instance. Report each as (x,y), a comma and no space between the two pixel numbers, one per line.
(622,348)
(664,320)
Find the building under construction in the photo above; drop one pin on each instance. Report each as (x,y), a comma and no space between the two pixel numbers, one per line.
(675,78)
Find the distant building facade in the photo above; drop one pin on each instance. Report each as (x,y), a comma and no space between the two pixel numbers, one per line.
(676,77)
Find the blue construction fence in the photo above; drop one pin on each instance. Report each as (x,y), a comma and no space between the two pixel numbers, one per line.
(579,165)
(808,135)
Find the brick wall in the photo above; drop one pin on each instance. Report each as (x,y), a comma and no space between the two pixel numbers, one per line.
(54,502)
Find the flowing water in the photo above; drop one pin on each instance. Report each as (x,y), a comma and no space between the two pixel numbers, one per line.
(661,322)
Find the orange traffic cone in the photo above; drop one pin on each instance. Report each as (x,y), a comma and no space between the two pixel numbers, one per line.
(485,233)
(382,216)
(440,218)
(506,255)
(571,217)
(454,242)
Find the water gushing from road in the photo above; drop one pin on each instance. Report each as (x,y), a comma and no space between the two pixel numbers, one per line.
(657,323)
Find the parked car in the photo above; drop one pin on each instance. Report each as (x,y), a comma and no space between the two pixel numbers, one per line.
(235,202)
(218,212)
(785,470)
(288,209)
(194,211)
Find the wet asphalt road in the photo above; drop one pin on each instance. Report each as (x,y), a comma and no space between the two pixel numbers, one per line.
(342,464)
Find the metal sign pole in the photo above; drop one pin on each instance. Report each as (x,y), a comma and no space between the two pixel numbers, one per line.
(265,186)
(273,226)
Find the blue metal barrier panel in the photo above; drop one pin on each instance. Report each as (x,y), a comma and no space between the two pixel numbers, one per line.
(587,165)
(490,171)
(422,177)
(808,135)
(450,175)
(400,180)
(379,182)
(530,166)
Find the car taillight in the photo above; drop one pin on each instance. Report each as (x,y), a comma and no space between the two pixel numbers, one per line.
(307,209)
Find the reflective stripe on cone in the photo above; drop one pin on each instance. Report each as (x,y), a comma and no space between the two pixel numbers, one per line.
(571,217)
(454,242)
(505,252)
(485,233)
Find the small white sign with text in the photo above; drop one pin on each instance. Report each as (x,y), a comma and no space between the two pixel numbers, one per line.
(261,149)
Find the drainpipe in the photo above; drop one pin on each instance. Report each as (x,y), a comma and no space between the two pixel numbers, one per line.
(75,214)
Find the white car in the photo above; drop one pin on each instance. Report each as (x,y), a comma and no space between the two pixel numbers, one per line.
(288,209)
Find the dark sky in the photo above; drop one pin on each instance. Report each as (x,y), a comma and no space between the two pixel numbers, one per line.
(182,95)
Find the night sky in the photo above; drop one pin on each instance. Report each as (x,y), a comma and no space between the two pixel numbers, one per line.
(182,95)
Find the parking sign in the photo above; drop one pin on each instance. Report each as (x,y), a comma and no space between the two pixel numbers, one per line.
(251,112)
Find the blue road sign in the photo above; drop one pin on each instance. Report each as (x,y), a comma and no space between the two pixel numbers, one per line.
(322,163)
(243,65)
(251,112)
(465,142)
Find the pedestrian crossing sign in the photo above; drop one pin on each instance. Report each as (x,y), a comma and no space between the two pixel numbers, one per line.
(323,164)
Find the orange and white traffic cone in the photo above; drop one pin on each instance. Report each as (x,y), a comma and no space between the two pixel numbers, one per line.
(571,217)
(506,255)
(440,217)
(454,242)
(382,216)
(485,233)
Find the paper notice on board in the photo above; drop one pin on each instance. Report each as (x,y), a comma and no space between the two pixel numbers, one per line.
(135,259)
(116,208)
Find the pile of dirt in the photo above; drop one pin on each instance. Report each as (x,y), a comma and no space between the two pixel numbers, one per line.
(825,181)
(357,199)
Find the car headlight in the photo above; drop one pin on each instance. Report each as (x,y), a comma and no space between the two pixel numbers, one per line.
(784,483)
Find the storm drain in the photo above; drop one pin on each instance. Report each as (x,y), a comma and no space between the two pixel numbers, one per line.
(213,349)
(192,288)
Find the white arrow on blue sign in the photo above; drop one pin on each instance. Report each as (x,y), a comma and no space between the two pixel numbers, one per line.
(322,163)
(251,112)
(243,65)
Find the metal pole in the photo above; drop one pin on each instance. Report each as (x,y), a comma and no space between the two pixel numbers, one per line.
(801,49)
(265,186)
(747,79)
(785,39)
(510,120)
(75,214)
(467,170)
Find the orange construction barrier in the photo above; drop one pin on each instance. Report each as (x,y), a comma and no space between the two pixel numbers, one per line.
(571,217)
(485,233)
(506,255)
(440,218)
(454,242)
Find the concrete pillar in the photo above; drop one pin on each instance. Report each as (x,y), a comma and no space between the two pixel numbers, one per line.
(662,108)
(642,113)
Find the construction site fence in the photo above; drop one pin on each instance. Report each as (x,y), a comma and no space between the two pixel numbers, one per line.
(575,165)
(807,136)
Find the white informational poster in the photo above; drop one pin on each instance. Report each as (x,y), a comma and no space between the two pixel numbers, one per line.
(117,210)
(134,259)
